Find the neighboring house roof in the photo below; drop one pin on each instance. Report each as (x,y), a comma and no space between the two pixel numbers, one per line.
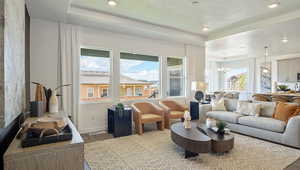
(96,77)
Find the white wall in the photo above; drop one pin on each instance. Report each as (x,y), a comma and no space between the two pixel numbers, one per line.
(43,53)
(93,116)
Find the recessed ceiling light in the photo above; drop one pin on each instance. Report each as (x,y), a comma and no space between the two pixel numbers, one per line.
(205,28)
(284,40)
(195,2)
(112,3)
(274,4)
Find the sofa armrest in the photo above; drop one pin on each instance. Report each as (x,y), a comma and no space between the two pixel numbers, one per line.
(291,135)
(203,109)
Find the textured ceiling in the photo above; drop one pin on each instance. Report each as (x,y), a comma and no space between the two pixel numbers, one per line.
(181,14)
(251,43)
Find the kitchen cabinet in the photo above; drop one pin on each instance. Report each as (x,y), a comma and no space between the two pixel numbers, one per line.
(288,70)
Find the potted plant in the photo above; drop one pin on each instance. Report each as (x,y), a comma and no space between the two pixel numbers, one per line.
(221,128)
(120,109)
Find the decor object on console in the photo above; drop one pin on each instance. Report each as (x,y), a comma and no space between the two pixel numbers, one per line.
(199,87)
(187,120)
(119,120)
(53,103)
(145,112)
(173,110)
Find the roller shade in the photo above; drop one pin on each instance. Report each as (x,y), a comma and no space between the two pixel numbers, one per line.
(129,56)
(94,53)
(174,61)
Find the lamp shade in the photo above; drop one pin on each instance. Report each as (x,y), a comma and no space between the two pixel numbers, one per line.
(199,85)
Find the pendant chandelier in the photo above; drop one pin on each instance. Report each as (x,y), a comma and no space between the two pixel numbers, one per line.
(265,65)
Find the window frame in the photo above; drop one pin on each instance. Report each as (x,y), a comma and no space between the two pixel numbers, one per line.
(159,96)
(184,61)
(88,92)
(110,88)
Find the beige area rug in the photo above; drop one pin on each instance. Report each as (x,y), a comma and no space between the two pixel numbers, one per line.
(155,150)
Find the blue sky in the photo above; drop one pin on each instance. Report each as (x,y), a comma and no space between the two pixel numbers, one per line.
(139,70)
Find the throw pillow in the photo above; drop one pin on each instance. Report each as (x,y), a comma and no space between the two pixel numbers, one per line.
(242,107)
(267,108)
(249,109)
(254,109)
(284,111)
(296,113)
(218,105)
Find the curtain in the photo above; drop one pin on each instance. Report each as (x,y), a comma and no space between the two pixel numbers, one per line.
(68,73)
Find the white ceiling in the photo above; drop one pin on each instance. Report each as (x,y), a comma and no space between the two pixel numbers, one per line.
(237,27)
(181,14)
(252,43)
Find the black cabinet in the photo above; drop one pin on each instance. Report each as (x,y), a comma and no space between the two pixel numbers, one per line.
(120,121)
(194,110)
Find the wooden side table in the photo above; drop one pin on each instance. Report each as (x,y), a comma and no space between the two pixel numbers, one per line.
(120,123)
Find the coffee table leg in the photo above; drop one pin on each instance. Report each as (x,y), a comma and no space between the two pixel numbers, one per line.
(189,154)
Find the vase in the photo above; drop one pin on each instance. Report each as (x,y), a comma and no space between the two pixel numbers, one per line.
(53,103)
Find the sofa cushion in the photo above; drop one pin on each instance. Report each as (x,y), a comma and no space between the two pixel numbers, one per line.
(230,104)
(284,111)
(267,108)
(264,123)
(218,105)
(249,109)
(231,117)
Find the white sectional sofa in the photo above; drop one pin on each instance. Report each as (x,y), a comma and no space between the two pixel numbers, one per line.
(264,126)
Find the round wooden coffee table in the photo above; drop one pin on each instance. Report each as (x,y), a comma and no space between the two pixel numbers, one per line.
(219,144)
(192,140)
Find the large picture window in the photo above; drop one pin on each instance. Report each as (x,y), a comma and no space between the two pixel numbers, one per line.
(94,75)
(236,79)
(139,76)
(176,76)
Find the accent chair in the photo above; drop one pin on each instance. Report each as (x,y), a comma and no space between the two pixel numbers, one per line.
(145,112)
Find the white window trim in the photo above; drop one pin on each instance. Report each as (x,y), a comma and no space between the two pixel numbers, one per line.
(160,77)
(110,88)
(113,89)
(184,58)
(88,92)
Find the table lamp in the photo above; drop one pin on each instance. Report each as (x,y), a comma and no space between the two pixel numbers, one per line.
(199,87)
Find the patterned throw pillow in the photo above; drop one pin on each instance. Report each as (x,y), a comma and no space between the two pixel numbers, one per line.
(218,105)
(248,109)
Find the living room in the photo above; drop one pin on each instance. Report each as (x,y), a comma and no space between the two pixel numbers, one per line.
(146,84)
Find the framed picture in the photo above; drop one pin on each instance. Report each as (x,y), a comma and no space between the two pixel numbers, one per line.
(298,77)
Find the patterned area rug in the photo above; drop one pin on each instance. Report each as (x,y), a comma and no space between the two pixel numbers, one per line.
(155,150)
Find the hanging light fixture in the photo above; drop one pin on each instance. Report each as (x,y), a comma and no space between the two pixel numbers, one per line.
(265,67)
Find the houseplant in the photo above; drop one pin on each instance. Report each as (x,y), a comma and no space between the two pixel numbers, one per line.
(221,128)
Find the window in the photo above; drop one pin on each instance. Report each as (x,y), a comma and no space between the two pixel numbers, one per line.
(138,91)
(90,92)
(236,79)
(139,76)
(104,92)
(176,76)
(94,73)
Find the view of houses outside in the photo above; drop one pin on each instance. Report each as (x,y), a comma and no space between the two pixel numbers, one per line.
(139,76)
(236,79)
